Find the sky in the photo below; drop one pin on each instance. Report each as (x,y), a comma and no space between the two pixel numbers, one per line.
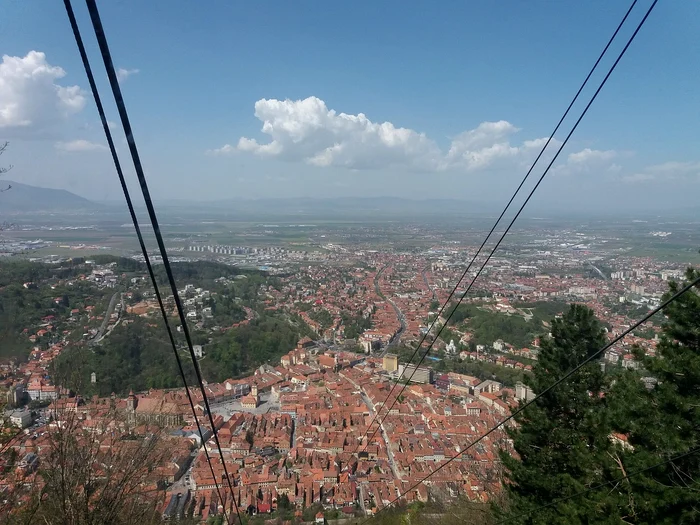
(241,100)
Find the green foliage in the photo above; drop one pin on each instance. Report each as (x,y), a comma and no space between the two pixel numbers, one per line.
(543,310)
(136,356)
(563,439)
(245,347)
(459,313)
(447,335)
(201,272)
(664,422)
(322,317)
(123,264)
(647,333)
(20,272)
(247,288)
(483,370)
(454,513)
(25,308)
(488,327)
(226,310)
(309,513)
(355,325)
(283,502)
(332,514)
(513,329)
(303,307)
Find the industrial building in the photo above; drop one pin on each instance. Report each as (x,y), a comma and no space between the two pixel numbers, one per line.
(419,374)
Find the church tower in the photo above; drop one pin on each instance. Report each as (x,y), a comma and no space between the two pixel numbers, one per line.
(131,402)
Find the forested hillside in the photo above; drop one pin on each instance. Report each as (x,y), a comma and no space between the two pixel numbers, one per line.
(137,355)
(36,297)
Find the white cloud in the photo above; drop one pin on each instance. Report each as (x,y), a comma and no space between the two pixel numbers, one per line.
(668,171)
(223,150)
(588,161)
(481,147)
(30,98)
(675,169)
(123,74)
(80,145)
(589,156)
(307,131)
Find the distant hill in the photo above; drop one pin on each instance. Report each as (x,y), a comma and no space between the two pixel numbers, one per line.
(26,198)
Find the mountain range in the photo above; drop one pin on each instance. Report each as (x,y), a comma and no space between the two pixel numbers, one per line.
(18,197)
(24,198)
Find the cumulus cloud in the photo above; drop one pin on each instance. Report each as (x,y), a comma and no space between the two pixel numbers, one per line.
(588,161)
(30,98)
(668,171)
(588,155)
(123,74)
(80,145)
(308,131)
(223,150)
(481,147)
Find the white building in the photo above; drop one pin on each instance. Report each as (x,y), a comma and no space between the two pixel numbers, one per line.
(39,390)
(523,392)
(21,418)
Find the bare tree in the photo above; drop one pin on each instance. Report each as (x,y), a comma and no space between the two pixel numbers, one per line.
(93,465)
(3,170)
(93,471)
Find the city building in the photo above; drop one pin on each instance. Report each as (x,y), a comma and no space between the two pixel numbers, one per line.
(40,390)
(419,374)
(390,362)
(21,418)
(523,392)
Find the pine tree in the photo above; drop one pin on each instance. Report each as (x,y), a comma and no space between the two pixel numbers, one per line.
(664,421)
(562,439)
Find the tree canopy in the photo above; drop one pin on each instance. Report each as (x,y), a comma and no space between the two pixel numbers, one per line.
(664,421)
(562,440)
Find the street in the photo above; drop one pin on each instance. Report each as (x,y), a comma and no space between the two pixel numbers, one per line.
(101,334)
(399,314)
(368,403)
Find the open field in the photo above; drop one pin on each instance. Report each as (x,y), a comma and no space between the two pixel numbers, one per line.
(111,232)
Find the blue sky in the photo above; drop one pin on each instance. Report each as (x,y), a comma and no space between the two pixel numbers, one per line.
(465,90)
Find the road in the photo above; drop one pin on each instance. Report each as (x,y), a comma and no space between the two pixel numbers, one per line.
(385,437)
(605,277)
(362,497)
(399,314)
(185,482)
(427,284)
(110,309)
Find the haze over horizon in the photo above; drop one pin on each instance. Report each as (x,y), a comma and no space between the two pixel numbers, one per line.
(242,102)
